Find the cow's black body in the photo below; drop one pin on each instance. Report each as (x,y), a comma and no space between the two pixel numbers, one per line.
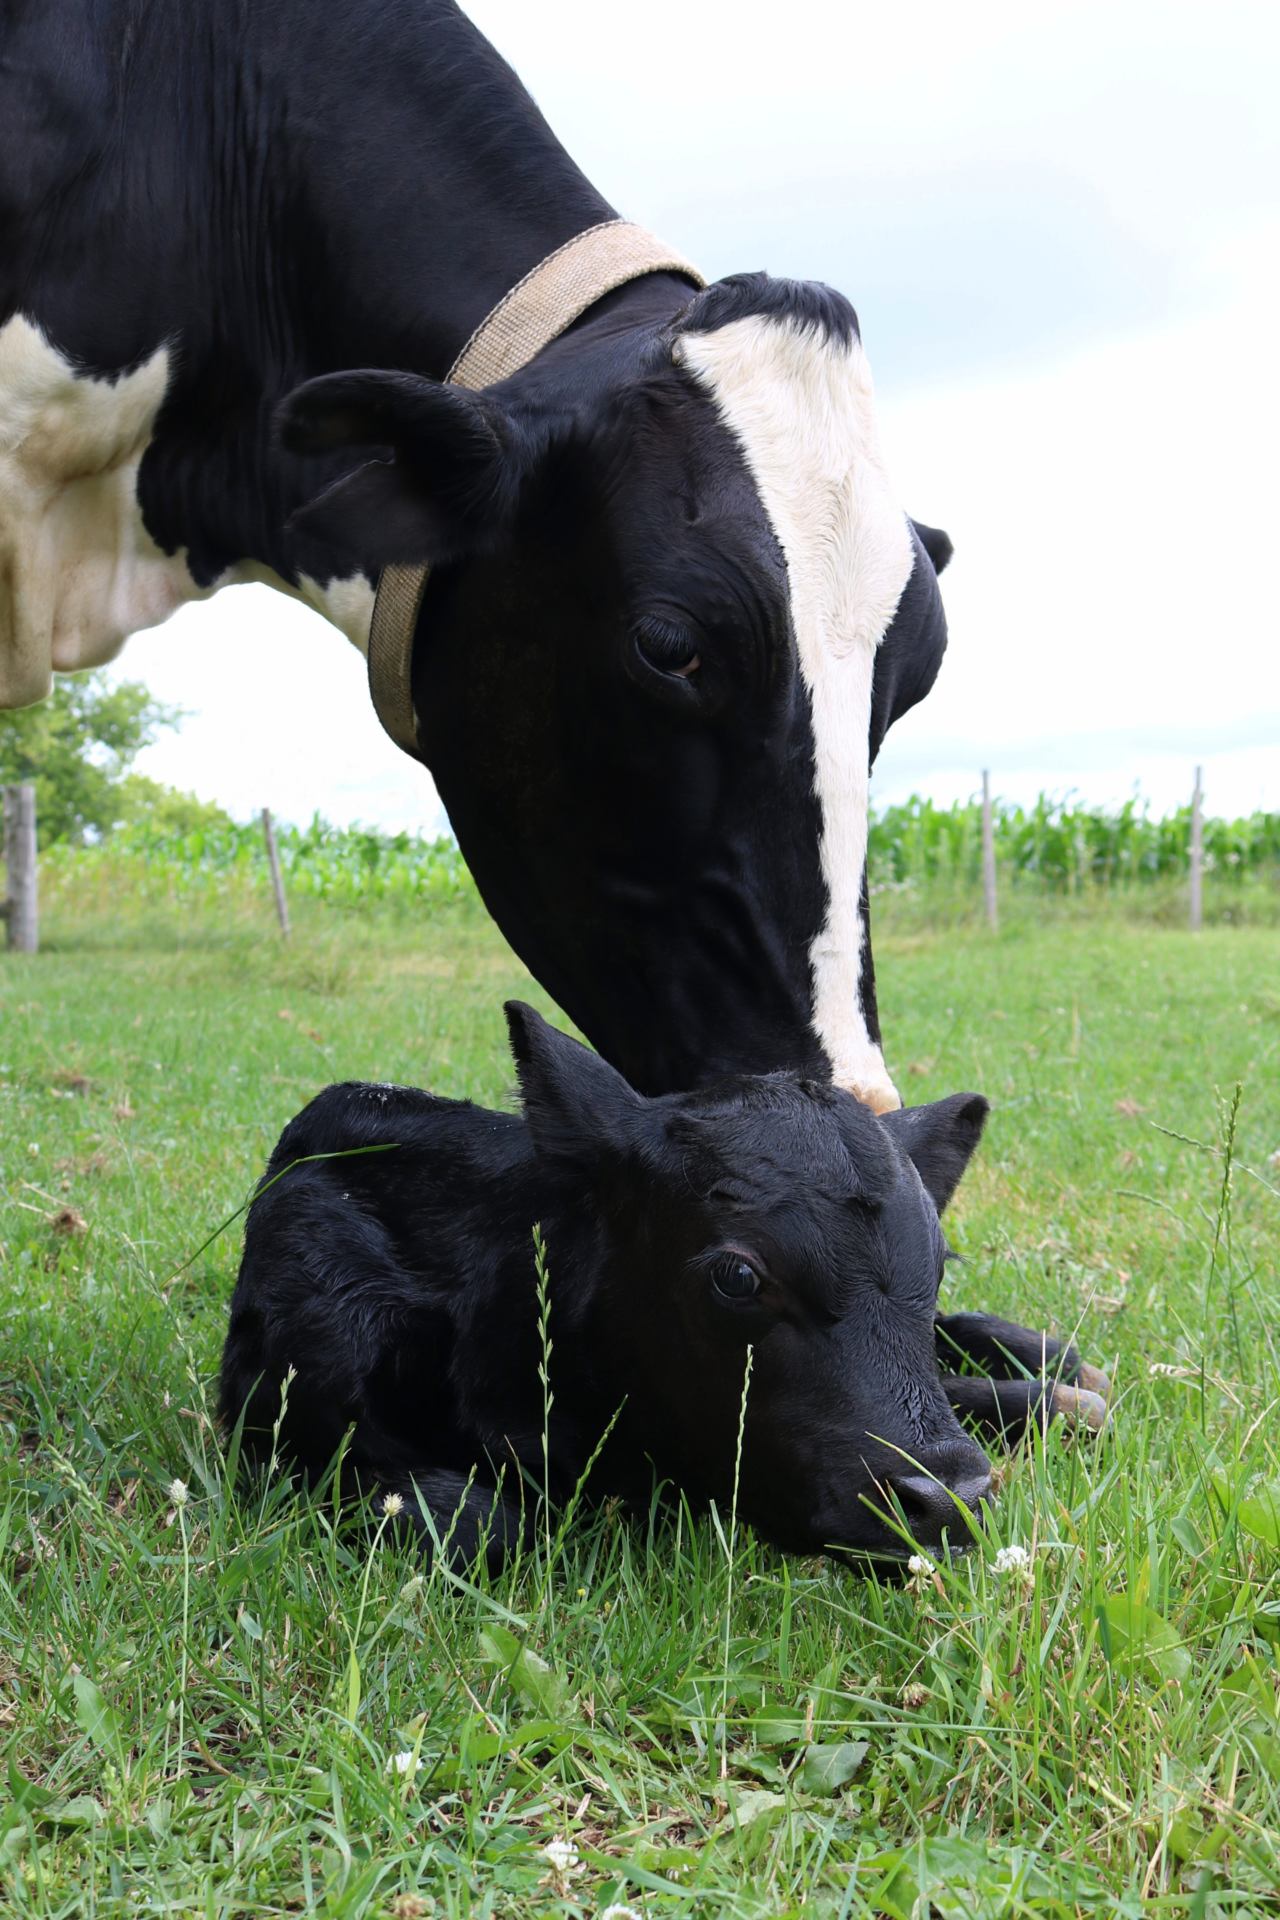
(279,191)
(394,1284)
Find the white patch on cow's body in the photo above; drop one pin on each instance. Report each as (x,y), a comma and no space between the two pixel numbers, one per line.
(801,406)
(79,573)
(346,604)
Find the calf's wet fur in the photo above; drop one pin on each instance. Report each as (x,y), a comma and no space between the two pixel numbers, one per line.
(388,1273)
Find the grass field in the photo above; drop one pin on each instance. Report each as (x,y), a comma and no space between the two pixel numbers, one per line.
(202,1699)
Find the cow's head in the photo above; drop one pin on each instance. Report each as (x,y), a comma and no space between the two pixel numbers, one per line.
(672,606)
(778,1214)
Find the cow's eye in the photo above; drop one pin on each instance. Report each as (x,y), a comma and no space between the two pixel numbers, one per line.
(667,648)
(734,1278)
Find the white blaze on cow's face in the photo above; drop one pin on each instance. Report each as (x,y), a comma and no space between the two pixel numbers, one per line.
(801,407)
(79,573)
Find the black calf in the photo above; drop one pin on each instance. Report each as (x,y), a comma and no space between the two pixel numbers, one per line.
(771,1213)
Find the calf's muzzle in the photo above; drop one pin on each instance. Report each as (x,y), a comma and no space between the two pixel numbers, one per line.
(932,1501)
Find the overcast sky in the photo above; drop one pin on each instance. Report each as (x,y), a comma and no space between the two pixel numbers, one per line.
(1060,227)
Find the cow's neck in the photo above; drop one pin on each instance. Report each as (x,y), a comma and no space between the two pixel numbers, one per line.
(245,203)
(464,189)
(420,189)
(422,181)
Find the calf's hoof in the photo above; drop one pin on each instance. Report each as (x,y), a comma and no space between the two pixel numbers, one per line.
(1093,1380)
(1080,1407)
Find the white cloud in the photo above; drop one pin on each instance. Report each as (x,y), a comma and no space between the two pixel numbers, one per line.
(1113,518)
(279,716)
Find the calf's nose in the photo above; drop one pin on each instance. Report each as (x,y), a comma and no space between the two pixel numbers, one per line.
(929,1502)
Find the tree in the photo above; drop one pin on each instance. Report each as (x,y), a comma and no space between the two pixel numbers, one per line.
(167,809)
(77,747)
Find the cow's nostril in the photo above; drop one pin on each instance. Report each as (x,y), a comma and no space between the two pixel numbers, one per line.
(926,1504)
(975,1490)
(929,1506)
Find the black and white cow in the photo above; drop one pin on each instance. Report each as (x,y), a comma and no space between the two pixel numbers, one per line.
(674,603)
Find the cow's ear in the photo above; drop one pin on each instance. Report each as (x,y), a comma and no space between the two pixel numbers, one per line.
(578,1108)
(936,544)
(444,487)
(940,1139)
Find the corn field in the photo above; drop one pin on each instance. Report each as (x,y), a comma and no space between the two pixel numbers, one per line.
(342,866)
(1056,847)
(920,849)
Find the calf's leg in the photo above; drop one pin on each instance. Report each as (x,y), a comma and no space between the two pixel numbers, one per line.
(1029,1376)
(465,1516)
(1006,1410)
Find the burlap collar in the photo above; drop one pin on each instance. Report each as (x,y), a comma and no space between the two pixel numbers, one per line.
(537,309)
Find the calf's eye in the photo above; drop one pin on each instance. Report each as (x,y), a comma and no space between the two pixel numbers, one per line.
(734,1278)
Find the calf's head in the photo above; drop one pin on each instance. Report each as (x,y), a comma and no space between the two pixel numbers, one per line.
(779,1215)
(673,605)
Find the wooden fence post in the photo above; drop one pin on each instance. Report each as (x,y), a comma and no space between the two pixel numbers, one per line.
(20,907)
(988,853)
(1197,855)
(277,879)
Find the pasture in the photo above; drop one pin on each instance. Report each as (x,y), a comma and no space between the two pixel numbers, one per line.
(217,1699)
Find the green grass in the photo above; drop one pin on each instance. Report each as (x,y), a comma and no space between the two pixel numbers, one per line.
(198,1701)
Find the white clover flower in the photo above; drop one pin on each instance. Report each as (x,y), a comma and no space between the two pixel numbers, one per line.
(178,1492)
(620,1913)
(392,1504)
(403,1762)
(921,1574)
(1015,1563)
(563,1856)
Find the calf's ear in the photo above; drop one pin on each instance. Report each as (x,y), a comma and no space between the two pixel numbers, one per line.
(940,1139)
(578,1108)
(445,485)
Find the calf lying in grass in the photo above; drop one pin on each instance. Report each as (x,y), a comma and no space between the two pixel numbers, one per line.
(767,1215)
